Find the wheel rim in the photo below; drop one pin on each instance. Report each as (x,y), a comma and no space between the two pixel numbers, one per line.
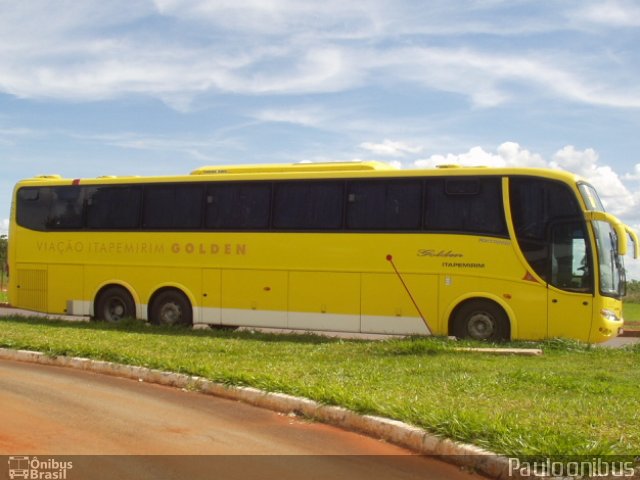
(171,314)
(481,325)
(116,310)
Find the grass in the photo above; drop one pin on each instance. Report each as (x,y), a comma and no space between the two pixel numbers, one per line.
(631,316)
(4,281)
(574,400)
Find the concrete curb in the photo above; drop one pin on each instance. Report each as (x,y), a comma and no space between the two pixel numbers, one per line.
(392,431)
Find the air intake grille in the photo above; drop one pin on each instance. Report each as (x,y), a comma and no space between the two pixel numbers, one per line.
(32,289)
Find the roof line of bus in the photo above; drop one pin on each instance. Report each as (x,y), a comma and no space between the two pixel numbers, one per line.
(308,171)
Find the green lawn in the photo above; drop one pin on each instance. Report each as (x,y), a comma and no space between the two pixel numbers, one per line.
(573,400)
(3,291)
(631,316)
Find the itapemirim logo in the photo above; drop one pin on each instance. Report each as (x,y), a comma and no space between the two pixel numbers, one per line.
(34,468)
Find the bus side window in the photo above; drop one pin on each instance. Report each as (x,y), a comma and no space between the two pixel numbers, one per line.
(311,205)
(65,210)
(32,209)
(172,207)
(113,208)
(570,266)
(461,205)
(238,206)
(540,210)
(384,205)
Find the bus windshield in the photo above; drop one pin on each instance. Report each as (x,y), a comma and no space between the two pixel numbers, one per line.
(612,275)
(590,197)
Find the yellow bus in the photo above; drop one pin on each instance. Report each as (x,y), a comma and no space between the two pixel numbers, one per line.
(482,253)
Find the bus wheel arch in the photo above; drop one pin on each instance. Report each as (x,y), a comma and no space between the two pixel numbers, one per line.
(113,303)
(171,306)
(480,318)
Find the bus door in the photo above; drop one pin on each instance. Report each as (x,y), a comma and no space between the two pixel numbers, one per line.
(570,287)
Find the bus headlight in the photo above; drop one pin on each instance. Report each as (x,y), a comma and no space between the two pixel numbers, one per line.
(610,315)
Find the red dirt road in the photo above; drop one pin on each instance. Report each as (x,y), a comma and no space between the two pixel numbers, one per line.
(117,428)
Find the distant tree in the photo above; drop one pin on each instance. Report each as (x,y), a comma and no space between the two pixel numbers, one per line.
(633,291)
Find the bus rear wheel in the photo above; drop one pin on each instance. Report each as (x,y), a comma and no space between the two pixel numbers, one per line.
(171,308)
(115,304)
(480,320)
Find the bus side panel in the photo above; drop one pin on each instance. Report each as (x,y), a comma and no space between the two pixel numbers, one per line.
(256,298)
(31,287)
(388,308)
(65,290)
(570,314)
(211,296)
(527,301)
(324,301)
(56,288)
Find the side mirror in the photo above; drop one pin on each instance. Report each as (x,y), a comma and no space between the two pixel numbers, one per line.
(620,229)
(634,239)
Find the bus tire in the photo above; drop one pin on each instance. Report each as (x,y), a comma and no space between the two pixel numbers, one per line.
(114,304)
(171,308)
(480,319)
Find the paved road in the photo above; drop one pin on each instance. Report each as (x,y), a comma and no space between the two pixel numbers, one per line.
(621,342)
(54,412)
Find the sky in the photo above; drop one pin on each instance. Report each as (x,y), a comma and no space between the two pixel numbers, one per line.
(154,87)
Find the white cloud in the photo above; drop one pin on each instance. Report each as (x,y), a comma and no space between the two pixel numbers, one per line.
(4,226)
(307,116)
(391,148)
(491,78)
(99,50)
(616,197)
(334,19)
(610,13)
(636,173)
(201,149)
(508,154)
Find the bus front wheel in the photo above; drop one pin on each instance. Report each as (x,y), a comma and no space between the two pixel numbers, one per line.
(115,304)
(480,320)
(171,308)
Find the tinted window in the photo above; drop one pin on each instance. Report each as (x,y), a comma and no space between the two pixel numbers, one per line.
(238,206)
(173,207)
(536,206)
(535,203)
(384,205)
(570,257)
(32,208)
(66,208)
(113,208)
(55,208)
(465,206)
(308,206)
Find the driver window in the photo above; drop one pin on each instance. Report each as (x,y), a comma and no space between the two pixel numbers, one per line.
(570,265)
